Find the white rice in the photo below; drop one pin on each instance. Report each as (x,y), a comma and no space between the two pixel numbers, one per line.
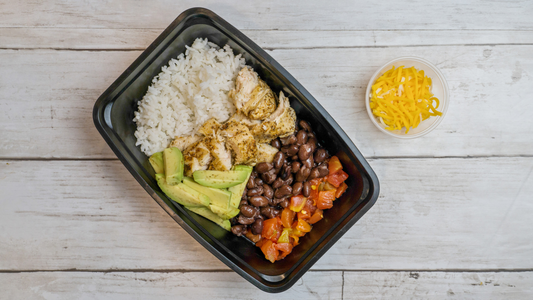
(189,90)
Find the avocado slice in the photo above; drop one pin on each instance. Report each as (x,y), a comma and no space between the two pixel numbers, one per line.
(181,193)
(238,190)
(219,179)
(226,214)
(174,164)
(156,160)
(206,213)
(218,197)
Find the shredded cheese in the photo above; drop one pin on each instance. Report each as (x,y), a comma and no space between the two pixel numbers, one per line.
(403,98)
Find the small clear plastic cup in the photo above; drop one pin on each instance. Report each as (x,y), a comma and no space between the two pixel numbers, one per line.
(439,88)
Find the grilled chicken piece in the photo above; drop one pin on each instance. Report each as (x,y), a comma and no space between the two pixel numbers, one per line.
(240,141)
(210,127)
(281,123)
(196,157)
(265,153)
(183,142)
(221,156)
(240,118)
(252,96)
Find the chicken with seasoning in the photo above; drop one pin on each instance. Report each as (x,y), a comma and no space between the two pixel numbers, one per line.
(244,138)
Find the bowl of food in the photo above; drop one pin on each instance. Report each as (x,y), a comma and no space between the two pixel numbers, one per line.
(235,150)
(407,97)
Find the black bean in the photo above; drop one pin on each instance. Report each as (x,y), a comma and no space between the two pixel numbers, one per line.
(257,226)
(278,160)
(255,191)
(263,167)
(305,126)
(245,220)
(295,157)
(243,202)
(268,178)
(311,135)
(277,183)
(277,201)
(254,174)
(283,191)
(237,230)
(251,183)
(258,181)
(267,212)
(275,143)
(313,143)
(285,203)
(301,137)
(309,162)
(315,173)
(247,211)
(285,172)
(320,155)
(276,212)
(306,190)
(258,201)
(293,150)
(297,188)
(268,192)
(287,140)
(304,152)
(295,166)
(323,170)
(303,173)
(289,180)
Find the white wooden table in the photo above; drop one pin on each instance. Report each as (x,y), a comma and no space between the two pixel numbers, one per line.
(455,214)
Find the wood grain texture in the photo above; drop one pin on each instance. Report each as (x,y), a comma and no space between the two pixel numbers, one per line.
(139,39)
(313,285)
(174,285)
(48,94)
(437,285)
(432,214)
(294,15)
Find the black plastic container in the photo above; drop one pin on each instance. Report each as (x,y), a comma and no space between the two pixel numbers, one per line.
(113,115)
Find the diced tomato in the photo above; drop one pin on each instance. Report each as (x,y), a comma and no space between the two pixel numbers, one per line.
(284,237)
(287,217)
(317,216)
(328,187)
(303,226)
(337,178)
(325,199)
(304,214)
(270,251)
(342,188)
(271,229)
(315,183)
(334,165)
(285,249)
(253,237)
(297,203)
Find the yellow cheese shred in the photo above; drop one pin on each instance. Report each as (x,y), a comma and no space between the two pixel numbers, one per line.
(403,98)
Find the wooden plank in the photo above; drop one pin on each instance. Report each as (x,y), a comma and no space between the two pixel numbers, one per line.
(130,285)
(294,15)
(48,95)
(432,214)
(139,39)
(314,285)
(437,285)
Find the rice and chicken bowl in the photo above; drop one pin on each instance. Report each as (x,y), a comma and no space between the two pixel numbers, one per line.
(224,145)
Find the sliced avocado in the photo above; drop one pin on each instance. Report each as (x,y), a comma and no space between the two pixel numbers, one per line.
(156,160)
(181,193)
(227,213)
(206,213)
(238,190)
(173,160)
(218,197)
(219,179)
